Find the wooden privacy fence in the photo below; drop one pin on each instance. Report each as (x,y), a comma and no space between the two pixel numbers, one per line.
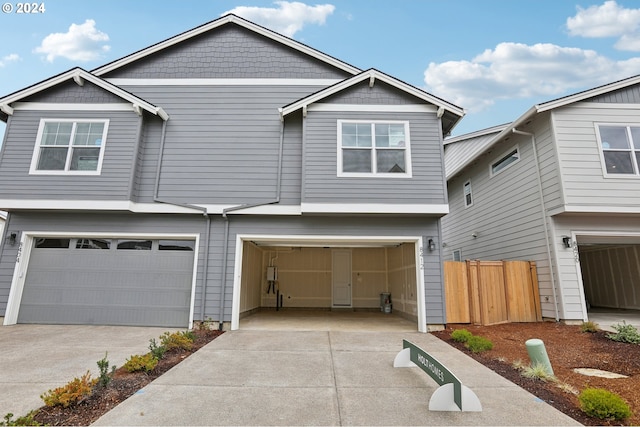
(491,292)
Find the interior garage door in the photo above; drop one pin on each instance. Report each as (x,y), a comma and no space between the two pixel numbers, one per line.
(108,282)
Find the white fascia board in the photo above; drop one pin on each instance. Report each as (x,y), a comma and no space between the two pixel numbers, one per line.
(605,210)
(78,73)
(621,84)
(222,82)
(403,108)
(46,106)
(94,205)
(371,75)
(218,23)
(475,134)
(374,208)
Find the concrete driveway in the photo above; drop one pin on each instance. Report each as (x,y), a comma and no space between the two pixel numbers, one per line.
(36,358)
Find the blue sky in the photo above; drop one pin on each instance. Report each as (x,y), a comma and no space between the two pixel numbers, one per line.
(494,58)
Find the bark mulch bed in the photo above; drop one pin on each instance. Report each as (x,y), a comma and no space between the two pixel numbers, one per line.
(568,348)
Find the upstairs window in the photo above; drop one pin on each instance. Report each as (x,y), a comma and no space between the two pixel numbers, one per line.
(505,161)
(69,147)
(468,197)
(373,148)
(620,149)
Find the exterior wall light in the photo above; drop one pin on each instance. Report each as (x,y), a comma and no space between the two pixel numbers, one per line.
(431,245)
(566,240)
(12,238)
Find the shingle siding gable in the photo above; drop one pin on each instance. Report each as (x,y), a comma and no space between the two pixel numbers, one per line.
(70,92)
(228,52)
(380,94)
(627,95)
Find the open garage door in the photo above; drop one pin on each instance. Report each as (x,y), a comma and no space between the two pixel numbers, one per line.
(328,274)
(108,281)
(610,267)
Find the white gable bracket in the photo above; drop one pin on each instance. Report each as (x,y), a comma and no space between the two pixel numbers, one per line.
(6,109)
(372,80)
(304,110)
(79,80)
(440,112)
(138,109)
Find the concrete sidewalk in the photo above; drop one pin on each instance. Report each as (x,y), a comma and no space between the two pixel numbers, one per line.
(322,378)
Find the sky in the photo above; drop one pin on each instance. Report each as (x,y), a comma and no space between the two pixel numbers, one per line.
(494,58)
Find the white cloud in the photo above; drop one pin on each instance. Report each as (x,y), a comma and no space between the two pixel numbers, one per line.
(81,43)
(13,57)
(288,18)
(608,20)
(514,70)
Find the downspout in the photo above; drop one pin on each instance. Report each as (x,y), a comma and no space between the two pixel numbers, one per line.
(544,215)
(136,149)
(225,240)
(156,198)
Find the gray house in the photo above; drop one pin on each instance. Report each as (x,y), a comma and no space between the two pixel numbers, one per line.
(559,186)
(208,174)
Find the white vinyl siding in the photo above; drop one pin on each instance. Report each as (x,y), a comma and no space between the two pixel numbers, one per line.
(505,161)
(67,146)
(586,186)
(468,196)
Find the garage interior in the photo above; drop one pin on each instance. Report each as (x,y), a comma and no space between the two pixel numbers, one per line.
(610,271)
(307,279)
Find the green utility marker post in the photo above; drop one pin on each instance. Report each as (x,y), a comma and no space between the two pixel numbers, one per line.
(451,395)
(538,354)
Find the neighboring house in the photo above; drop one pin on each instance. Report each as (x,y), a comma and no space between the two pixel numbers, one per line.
(160,188)
(559,186)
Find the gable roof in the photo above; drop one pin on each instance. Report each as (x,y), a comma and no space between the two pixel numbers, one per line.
(79,76)
(227,19)
(460,149)
(529,114)
(455,113)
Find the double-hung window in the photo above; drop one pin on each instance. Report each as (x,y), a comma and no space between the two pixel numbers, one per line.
(67,146)
(373,148)
(620,147)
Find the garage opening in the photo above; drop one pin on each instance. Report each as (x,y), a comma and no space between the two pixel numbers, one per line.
(610,267)
(307,281)
(130,281)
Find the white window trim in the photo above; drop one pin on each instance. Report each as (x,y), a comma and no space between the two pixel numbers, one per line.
(464,194)
(36,150)
(603,163)
(453,254)
(503,156)
(407,148)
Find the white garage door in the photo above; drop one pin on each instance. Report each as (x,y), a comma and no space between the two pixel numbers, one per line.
(108,282)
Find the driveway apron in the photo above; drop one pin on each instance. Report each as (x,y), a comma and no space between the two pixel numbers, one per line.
(249,377)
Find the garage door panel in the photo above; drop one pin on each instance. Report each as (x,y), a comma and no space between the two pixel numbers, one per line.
(108,286)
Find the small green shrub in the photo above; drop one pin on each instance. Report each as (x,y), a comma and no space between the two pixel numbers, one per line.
(157,351)
(603,404)
(625,333)
(537,371)
(146,363)
(177,340)
(478,344)
(105,375)
(71,393)
(26,420)
(589,327)
(461,335)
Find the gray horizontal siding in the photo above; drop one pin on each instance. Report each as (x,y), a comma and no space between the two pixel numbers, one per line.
(579,156)
(111,184)
(627,95)
(322,185)
(222,144)
(228,52)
